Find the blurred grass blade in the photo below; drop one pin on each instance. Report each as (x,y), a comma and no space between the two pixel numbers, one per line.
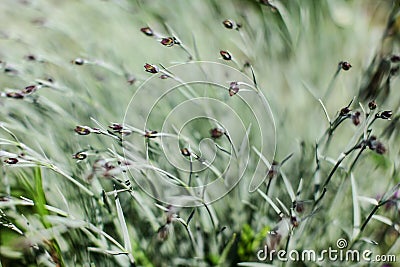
(124,228)
(356,207)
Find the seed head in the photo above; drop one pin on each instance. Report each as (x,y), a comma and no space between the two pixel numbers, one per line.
(356,118)
(116,127)
(372,105)
(11,161)
(82,130)
(185,152)
(345,65)
(150,134)
(233,88)
(78,61)
(29,89)
(228,24)
(385,115)
(79,156)
(151,68)
(395,58)
(16,95)
(216,133)
(225,55)
(376,145)
(344,111)
(147,31)
(168,41)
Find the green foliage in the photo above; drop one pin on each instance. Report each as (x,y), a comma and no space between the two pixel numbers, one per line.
(85,172)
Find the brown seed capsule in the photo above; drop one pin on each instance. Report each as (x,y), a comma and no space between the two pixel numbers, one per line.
(151,68)
(78,61)
(216,133)
(164,76)
(82,130)
(233,88)
(185,152)
(356,118)
(150,134)
(116,127)
(376,145)
(147,31)
(225,55)
(29,89)
(11,161)
(30,57)
(16,95)
(372,105)
(345,65)
(168,41)
(395,58)
(385,115)
(344,111)
(228,24)
(79,156)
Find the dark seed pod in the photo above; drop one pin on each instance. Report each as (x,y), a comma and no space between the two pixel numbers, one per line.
(164,76)
(147,31)
(168,41)
(116,127)
(151,68)
(356,118)
(30,57)
(228,24)
(82,130)
(216,133)
(185,152)
(79,156)
(225,55)
(150,134)
(385,115)
(16,95)
(345,65)
(78,61)
(395,58)
(344,111)
(29,89)
(11,161)
(233,88)
(372,105)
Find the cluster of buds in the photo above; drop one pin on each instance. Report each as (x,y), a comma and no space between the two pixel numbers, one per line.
(24,92)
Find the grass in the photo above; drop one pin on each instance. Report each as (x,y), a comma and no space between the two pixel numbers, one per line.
(231,138)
